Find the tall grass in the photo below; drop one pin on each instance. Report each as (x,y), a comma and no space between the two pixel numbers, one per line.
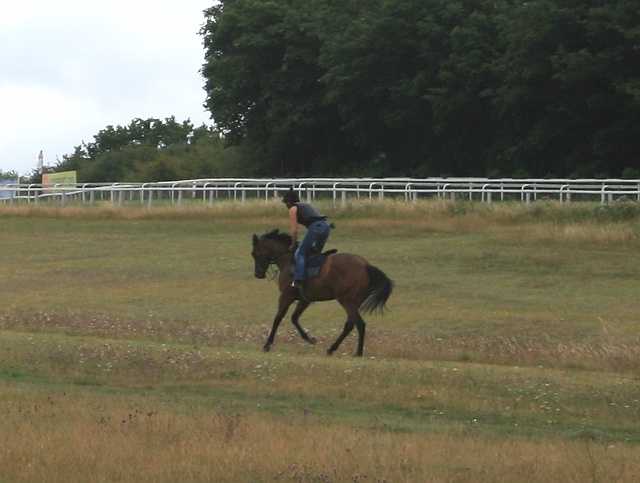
(130,347)
(85,438)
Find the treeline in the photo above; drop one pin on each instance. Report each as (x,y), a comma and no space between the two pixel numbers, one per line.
(542,88)
(153,150)
(428,87)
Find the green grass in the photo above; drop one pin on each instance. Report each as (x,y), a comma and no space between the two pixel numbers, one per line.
(130,347)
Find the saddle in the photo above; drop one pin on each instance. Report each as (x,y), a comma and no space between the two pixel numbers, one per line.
(314,263)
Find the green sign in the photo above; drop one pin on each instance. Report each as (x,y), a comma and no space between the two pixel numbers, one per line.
(59,180)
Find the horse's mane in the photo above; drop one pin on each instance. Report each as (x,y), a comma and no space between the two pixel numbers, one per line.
(278,235)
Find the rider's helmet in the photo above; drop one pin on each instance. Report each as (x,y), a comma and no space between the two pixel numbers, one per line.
(290,196)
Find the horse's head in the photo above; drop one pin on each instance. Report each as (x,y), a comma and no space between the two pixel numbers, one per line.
(267,248)
(260,257)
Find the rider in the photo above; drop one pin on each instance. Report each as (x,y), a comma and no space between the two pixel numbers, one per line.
(318,230)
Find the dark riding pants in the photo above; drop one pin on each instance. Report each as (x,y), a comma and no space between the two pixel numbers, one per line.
(316,236)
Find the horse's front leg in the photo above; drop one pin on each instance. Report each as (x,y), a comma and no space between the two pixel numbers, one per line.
(283,306)
(301,307)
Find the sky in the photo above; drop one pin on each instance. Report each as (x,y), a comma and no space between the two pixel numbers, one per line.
(70,68)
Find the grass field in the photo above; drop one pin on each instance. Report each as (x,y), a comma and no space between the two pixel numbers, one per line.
(130,347)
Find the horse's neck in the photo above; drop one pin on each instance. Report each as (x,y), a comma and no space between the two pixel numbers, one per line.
(281,256)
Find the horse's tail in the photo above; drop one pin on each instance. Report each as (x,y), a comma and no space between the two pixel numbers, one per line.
(378,291)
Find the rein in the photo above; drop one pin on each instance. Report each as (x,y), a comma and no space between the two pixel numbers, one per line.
(274,273)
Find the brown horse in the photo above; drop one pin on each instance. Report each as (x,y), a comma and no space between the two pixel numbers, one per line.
(344,277)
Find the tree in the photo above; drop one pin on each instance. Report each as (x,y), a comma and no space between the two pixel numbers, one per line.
(9,175)
(152,150)
(566,102)
(262,79)
(427,87)
(376,74)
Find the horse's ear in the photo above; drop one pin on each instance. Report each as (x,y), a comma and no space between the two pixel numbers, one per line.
(255,239)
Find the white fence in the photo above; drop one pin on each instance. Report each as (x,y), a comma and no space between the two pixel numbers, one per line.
(338,189)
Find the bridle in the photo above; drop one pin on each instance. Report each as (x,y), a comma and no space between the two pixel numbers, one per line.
(265,267)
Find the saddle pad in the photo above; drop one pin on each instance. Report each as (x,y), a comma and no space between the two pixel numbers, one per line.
(314,264)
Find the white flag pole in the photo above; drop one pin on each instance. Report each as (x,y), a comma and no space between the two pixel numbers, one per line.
(40,162)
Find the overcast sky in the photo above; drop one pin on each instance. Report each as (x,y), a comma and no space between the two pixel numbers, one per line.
(70,68)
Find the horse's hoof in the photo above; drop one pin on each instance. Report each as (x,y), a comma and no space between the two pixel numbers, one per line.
(329,352)
(266,348)
(312,340)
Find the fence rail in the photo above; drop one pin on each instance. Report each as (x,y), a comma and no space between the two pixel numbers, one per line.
(340,190)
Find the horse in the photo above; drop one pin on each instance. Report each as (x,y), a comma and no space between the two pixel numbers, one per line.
(345,277)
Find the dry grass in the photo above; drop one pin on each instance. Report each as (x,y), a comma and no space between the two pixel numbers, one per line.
(109,438)
(607,234)
(108,211)
(618,354)
(608,350)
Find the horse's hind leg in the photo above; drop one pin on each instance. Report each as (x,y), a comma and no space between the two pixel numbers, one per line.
(295,317)
(353,320)
(348,327)
(361,326)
